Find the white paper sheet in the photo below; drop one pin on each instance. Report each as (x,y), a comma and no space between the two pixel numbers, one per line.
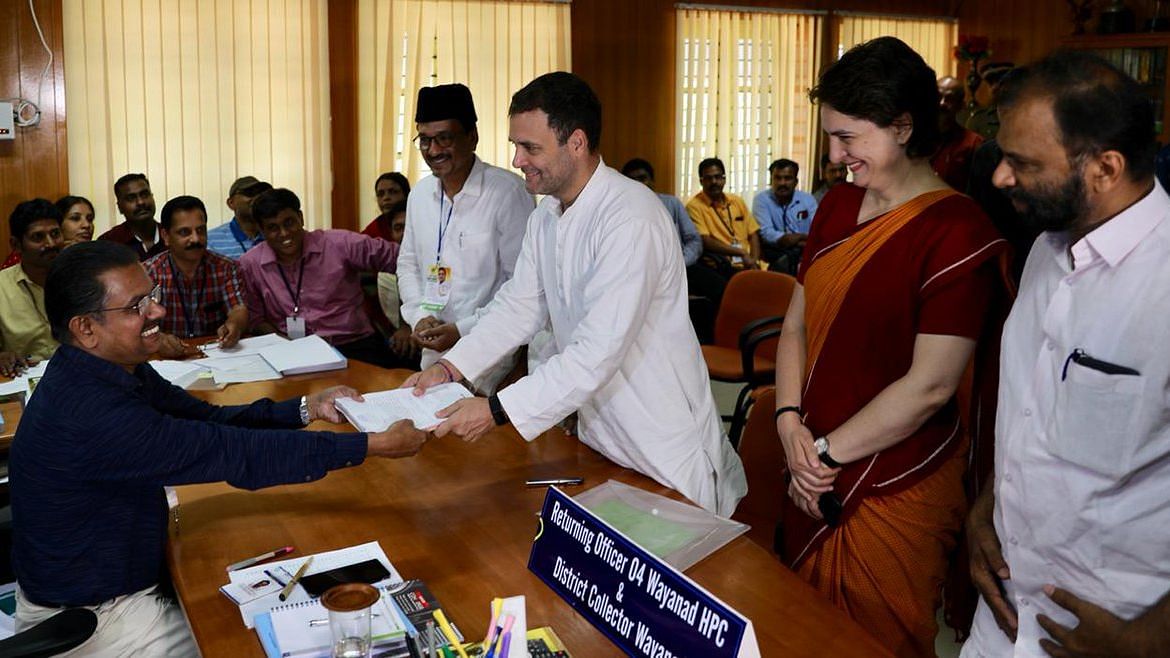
(238,369)
(251,345)
(179,373)
(381,410)
(321,562)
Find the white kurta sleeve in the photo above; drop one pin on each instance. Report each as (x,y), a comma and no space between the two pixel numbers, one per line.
(509,234)
(512,318)
(620,287)
(410,281)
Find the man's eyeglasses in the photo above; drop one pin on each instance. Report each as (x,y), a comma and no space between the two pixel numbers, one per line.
(443,139)
(142,305)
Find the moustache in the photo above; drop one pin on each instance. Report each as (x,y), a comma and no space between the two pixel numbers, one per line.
(50,251)
(193,247)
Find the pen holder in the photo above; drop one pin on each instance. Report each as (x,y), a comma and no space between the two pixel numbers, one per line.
(350,609)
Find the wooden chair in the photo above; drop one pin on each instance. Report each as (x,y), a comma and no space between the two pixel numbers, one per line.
(746,329)
(764,464)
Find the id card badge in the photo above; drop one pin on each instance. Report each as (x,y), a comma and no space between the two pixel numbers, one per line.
(438,287)
(737,260)
(295,327)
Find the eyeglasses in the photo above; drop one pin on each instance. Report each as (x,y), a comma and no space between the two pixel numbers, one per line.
(142,305)
(443,139)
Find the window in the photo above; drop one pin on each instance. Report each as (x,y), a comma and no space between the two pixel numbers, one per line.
(743,80)
(933,38)
(195,95)
(493,47)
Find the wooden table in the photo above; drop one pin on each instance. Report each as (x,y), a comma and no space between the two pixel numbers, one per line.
(459,517)
(11,411)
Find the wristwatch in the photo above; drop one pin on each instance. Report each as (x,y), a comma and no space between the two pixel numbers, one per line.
(822,446)
(304,410)
(499,416)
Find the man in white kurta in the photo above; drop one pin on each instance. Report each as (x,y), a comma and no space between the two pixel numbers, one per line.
(480,245)
(1077,525)
(600,260)
(468,218)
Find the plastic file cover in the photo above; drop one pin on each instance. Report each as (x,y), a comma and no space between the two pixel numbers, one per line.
(679,533)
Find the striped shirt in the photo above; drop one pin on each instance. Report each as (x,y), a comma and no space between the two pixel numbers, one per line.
(197,307)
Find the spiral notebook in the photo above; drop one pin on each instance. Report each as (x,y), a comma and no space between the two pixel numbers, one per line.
(287,631)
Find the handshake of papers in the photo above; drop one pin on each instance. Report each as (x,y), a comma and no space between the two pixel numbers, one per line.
(378,411)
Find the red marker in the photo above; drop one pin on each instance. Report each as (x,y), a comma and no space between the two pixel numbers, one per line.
(260,558)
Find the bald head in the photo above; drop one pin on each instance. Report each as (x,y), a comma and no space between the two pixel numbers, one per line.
(950,92)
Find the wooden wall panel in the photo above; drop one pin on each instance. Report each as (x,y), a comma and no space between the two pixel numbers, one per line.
(343,133)
(35,163)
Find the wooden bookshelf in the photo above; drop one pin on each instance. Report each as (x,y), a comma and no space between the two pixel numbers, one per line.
(1143,55)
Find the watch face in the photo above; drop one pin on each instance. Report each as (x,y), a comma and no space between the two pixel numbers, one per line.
(821,444)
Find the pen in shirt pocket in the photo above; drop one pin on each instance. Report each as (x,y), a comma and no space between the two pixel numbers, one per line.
(1079,357)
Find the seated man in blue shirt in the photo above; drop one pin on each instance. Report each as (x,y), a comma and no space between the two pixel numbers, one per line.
(239,234)
(785,215)
(104,433)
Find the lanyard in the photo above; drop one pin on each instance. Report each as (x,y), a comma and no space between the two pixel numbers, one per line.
(443,225)
(296,299)
(188,314)
(728,223)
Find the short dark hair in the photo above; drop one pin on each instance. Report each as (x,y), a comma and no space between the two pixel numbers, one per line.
(784,163)
(398,178)
(65,203)
(879,81)
(180,203)
(270,203)
(127,179)
(636,164)
(399,206)
(1096,106)
(569,103)
(27,212)
(74,286)
(712,162)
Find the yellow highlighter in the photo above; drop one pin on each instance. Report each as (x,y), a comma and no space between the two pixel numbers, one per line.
(445,626)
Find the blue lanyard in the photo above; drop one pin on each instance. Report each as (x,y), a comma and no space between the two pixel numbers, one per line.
(443,225)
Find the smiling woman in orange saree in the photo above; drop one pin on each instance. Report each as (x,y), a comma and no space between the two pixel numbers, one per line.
(899,280)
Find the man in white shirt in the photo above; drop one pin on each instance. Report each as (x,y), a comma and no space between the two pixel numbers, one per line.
(464,226)
(601,262)
(1069,546)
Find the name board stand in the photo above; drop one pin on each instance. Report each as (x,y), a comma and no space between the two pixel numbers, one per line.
(643,605)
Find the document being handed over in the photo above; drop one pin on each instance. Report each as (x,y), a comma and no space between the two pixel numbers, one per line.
(381,410)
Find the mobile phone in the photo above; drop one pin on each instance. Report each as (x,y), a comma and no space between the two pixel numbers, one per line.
(370,571)
(830,506)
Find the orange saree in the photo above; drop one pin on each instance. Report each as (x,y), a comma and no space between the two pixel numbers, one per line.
(929,266)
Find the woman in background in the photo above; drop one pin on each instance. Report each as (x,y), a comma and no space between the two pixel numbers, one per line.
(897,281)
(390,189)
(77,225)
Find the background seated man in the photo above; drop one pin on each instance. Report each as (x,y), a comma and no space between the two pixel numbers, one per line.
(239,234)
(202,291)
(299,283)
(136,204)
(103,435)
(831,173)
(688,236)
(785,215)
(730,233)
(35,227)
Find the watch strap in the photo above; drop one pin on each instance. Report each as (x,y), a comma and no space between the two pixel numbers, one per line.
(783,410)
(498,414)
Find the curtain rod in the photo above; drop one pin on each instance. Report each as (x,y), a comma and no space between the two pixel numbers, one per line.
(751,10)
(903,17)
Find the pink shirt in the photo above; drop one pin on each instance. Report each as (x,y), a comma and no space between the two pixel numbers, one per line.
(330,293)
